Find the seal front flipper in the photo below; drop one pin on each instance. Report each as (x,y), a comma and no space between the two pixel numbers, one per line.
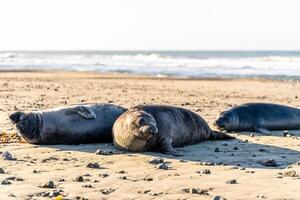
(262,130)
(167,148)
(83,111)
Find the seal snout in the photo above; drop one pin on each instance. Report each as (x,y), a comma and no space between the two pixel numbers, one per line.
(220,123)
(149,129)
(16,117)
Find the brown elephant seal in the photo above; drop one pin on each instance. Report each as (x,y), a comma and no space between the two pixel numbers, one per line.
(78,124)
(161,128)
(259,117)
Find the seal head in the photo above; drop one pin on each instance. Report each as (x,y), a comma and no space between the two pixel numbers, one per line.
(227,121)
(28,125)
(141,127)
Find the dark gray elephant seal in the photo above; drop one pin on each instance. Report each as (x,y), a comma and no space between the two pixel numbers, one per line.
(160,128)
(90,123)
(259,117)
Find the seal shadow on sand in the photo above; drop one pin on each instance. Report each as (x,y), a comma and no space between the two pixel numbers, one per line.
(234,152)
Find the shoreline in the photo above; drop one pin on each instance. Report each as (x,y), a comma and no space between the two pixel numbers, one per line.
(148,76)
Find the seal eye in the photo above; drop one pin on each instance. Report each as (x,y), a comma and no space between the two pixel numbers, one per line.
(141,121)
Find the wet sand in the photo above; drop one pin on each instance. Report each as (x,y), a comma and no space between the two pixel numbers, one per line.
(131,176)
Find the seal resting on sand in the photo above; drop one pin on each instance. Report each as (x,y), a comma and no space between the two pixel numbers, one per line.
(78,124)
(259,117)
(160,128)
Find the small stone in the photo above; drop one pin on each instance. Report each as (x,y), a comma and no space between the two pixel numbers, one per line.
(5,182)
(251,135)
(196,191)
(285,133)
(50,184)
(232,181)
(122,172)
(123,177)
(156,160)
(235,148)
(7,156)
(224,144)
(242,168)
(102,152)
(270,163)
(65,159)
(204,171)
(107,191)
(183,161)
(217,150)
(2,171)
(78,179)
(261,197)
(148,179)
(61,180)
(206,163)
(11,195)
(54,193)
(87,186)
(103,175)
(291,173)
(218,198)
(162,166)
(93,165)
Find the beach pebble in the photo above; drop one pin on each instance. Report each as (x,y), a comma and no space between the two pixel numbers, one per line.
(93,165)
(78,179)
(103,175)
(204,171)
(123,177)
(87,186)
(162,166)
(107,191)
(5,182)
(269,163)
(261,197)
(251,135)
(217,150)
(121,172)
(148,179)
(291,173)
(50,184)
(61,180)
(196,191)
(156,160)
(235,148)
(206,163)
(2,171)
(102,152)
(80,198)
(218,198)
(7,156)
(232,181)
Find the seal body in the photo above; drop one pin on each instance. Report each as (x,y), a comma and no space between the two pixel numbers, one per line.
(259,117)
(160,128)
(90,123)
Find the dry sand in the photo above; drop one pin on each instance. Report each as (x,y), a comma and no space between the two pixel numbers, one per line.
(130,176)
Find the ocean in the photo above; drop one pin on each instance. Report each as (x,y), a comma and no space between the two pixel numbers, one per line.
(185,64)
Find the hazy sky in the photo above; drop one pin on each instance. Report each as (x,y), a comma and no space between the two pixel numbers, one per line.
(149,24)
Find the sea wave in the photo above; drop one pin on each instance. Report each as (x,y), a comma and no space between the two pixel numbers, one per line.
(184,64)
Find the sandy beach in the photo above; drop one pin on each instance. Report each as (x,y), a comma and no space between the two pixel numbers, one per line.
(202,173)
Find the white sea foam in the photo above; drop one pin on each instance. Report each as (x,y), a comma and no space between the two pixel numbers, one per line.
(184,64)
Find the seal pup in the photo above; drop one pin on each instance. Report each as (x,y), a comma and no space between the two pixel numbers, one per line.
(78,124)
(259,117)
(161,128)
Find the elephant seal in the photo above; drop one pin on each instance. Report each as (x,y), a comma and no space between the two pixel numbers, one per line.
(87,123)
(259,117)
(160,128)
